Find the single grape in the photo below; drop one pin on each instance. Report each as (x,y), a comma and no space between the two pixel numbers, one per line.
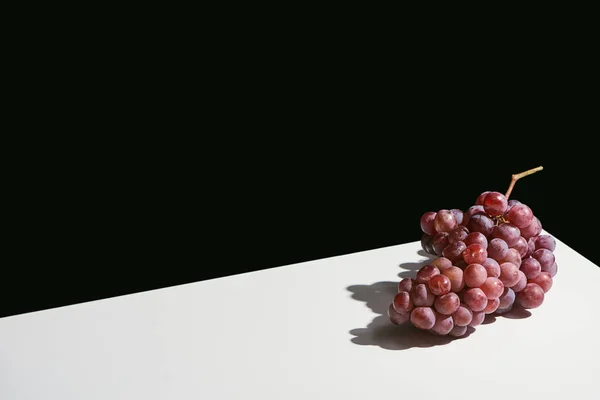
(481,223)
(475,275)
(509,274)
(492,305)
(444,221)
(497,249)
(478,317)
(476,238)
(507,299)
(530,297)
(402,303)
(545,242)
(513,256)
(453,251)
(493,288)
(531,267)
(462,316)
(478,209)
(427,223)
(552,270)
(443,324)
(475,299)
(406,285)
(439,285)
(396,317)
(458,234)
(521,246)
(458,331)
(475,254)
(543,280)
(422,296)
(447,303)
(507,232)
(521,283)
(481,198)
(545,257)
(492,267)
(458,214)
(422,317)
(442,263)
(425,273)
(520,215)
(533,229)
(456,276)
(426,243)
(439,242)
(495,203)
(512,202)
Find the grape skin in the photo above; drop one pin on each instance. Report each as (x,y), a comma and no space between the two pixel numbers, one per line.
(495,203)
(462,316)
(497,249)
(453,251)
(439,285)
(492,267)
(458,331)
(443,324)
(545,258)
(481,198)
(422,318)
(543,280)
(402,303)
(396,317)
(531,268)
(532,229)
(476,238)
(507,299)
(475,299)
(444,221)
(507,232)
(447,304)
(456,276)
(521,246)
(521,283)
(475,254)
(458,214)
(427,223)
(492,305)
(477,209)
(520,215)
(422,296)
(552,270)
(478,318)
(545,242)
(530,247)
(426,273)
(531,297)
(475,275)
(442,263)
(509,274)
(458,234)
(439,242)
(481,223)
(406,285)
(493,288)
(513,256)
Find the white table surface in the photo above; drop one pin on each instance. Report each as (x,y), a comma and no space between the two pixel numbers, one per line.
(312,330)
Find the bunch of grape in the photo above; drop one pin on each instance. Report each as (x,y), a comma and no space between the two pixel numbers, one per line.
(489,258)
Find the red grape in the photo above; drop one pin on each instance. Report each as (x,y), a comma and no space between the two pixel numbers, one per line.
(454,251)
(497,249)
(457,234)
(462,316)
(406,285)
(521,246)
(492,267)
(426,272)
(478,209)
(396,317)
(458,214)
(439,285)
(402,303)
(507,299)
(531,297)
(531,267)
(492,305)
(481,198)
(513,256)
(476,237)
(439,242)
(507,232)
(533,229)
(545,242)
(478,317)
(475,275)
(475,254)
(427,223)
(493,288)
(458,331)
(495,203)
(552,270)
(443,324)
(444,221)
(456,277)
(545,258)
(521,283)
(543,280)
(422,296)
(422,317)
(447,303)
(475,299)
(520,215)
(442,263)
(509,274)
(481,223)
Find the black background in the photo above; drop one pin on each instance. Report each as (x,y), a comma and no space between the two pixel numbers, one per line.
(283,170)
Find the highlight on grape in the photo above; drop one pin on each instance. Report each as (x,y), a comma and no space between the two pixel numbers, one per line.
(489,258)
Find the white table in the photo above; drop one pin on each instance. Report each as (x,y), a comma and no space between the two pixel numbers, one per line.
(312,330)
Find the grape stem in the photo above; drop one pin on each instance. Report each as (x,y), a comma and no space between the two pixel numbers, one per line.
(516,177)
